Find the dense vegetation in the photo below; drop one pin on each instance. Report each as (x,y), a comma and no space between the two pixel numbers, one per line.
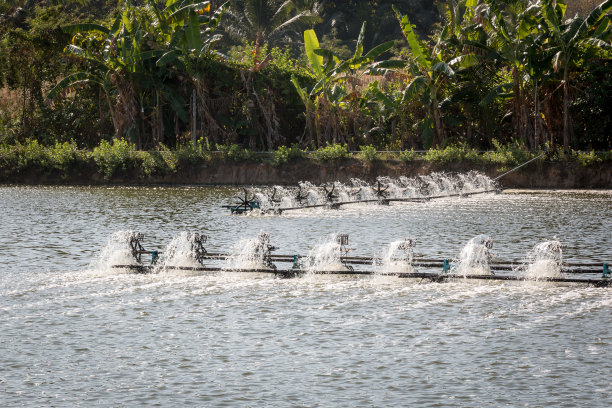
(482,74)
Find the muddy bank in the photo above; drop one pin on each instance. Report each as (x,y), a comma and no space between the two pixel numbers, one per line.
(539,174)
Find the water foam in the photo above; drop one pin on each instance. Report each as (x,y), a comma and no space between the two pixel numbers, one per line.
(475,257)
(436,184)
(397,258)
(325,256)
(117,251)
(544,260)
(249,254)
(180,252)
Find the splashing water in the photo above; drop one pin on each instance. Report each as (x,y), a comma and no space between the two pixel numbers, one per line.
(180,252)
(250,253)
(544,260)
(475,257)
(117,251)
(431,185)
(325,256)
(397,258)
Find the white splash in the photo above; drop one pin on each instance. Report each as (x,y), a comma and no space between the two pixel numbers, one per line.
(180,252)
(544,260)
(397,258)
(475,257)
(431,185)
(325,256)
(249,254)
(117,251)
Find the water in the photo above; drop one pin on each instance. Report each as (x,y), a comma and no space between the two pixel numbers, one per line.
(475,257)
(73,333)
(432,185)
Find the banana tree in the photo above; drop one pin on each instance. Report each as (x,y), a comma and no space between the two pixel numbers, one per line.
(512,41)
(568,40)
(111,55)
(336,92)
(430,71)
(188,36)
(119,58)
(268,22)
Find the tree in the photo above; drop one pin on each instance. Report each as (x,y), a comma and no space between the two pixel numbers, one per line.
(335,93)
(271,22)
(128,59)
(568,40)
(430,71)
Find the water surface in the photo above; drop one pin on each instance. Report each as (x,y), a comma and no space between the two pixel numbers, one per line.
(76,335)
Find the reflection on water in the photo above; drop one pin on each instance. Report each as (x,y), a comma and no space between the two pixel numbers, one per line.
(72,335)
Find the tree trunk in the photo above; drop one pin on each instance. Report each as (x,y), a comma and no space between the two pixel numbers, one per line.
(566,125)
(194,138)
(536,108)
(438,129)
(517,116)
(160,122)
(23,109)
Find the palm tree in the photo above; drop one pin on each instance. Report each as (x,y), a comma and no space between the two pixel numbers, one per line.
(269,22)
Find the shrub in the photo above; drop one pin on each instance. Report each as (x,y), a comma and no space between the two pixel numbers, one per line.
(331,152)
(453,153)
(285,154)
(586,158)
(188,155)
(115,158)
(234,152)
(368,153)
(30,154)
(511,154)
(407,155)
(65,157)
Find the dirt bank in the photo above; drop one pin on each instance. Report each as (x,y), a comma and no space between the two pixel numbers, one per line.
(539,174)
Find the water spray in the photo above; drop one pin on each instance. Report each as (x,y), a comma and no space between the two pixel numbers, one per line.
(332,257)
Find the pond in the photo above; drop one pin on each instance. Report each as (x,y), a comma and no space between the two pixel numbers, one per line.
(77,334)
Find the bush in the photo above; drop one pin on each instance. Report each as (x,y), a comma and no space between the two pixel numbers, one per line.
(368,153)
(285,154)
(586,158)
(188,155)
(511,154)
(453,153)
(115,158)
(65,157)
(234,152)
(331,152)
(407,155)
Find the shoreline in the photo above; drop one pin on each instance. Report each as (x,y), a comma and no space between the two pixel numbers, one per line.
(537,175)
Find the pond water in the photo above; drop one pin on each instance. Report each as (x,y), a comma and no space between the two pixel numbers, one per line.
(73,333)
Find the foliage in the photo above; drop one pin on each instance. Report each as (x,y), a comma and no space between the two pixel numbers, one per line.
(586,159)
(368,154)
(488,74)
(407,155)
(276,57)
(116,158)
(331,152)
(235,152)
(513,153)
(284,154)
(454,153)
(60,158)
